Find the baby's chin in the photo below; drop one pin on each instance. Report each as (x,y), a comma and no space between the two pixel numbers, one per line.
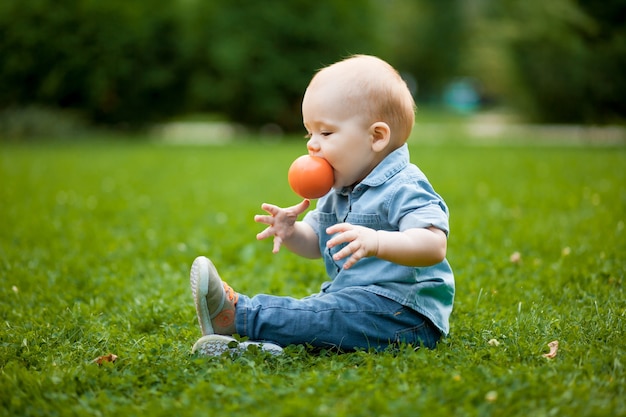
(338,186)
(342,182)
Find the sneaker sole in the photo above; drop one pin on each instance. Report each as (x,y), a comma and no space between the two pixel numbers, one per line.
(265,347)
(199,280)
(216,345)
(213,345)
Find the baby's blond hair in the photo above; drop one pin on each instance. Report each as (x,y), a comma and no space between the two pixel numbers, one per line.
(374,87)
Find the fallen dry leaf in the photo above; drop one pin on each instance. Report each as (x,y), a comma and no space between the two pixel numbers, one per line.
(491,396)
(493,342)
(105,358)
(554,347)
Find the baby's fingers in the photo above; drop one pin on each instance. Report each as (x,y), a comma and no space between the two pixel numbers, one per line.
(277,243)
(350,249)
(353,257)
(302,206)
(264,234)
(339,238)
(351,261)
(270,208)
(260,218)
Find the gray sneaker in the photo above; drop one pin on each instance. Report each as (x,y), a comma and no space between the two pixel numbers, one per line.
(214,299)
(215,345)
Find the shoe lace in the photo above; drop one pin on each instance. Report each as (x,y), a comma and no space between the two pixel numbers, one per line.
(231,295)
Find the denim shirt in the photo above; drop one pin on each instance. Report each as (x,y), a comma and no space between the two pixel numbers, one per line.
(395,196)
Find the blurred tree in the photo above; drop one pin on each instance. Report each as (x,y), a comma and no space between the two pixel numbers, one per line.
(607,61)
(566,58)
(135,62)
(116,60)
(426,38)
(145,60)
(254,60)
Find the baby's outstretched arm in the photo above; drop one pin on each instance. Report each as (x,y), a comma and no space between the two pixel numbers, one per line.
(283,224)
(412,247)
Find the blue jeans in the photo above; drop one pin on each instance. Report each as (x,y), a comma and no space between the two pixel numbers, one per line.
(349,319)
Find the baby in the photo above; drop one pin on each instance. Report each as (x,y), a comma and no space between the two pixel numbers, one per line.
(381,231)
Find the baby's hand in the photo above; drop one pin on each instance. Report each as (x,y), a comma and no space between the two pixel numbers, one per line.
(281,222)
(361,242)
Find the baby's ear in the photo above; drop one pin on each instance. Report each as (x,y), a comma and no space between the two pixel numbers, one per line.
(381,135)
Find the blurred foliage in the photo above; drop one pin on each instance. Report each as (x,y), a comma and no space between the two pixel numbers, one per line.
(136,62)
(426,40)
(132,63)
(567,58)
(118,61)
(253,60)
(40,122)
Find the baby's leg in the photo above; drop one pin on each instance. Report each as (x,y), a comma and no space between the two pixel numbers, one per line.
(348,319)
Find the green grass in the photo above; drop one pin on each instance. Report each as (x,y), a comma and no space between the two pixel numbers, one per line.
(97,238)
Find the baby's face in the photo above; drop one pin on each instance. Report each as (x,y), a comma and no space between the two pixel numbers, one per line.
(339,133)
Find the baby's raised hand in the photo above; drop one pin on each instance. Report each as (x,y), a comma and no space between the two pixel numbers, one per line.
(280,222)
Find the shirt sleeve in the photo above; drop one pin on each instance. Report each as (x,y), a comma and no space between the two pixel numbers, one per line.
(417,205)
(311,218)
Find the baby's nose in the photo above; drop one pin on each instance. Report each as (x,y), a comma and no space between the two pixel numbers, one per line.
(312,146)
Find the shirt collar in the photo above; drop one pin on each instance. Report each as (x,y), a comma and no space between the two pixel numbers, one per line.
(387,168)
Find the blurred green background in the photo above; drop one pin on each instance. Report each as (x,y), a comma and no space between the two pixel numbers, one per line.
(133,63)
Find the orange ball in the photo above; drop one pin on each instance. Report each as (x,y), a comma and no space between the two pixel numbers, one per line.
(310,176)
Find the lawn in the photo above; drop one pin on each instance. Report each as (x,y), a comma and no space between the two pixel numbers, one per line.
(97,239)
